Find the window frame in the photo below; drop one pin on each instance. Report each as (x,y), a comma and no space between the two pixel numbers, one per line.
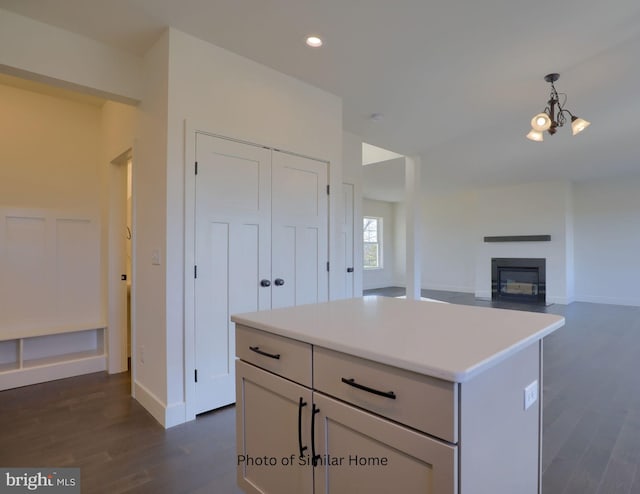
(378,243)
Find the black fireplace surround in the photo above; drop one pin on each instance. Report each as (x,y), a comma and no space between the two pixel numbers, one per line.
(518,279)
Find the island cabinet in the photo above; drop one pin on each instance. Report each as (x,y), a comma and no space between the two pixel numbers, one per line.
(316,416)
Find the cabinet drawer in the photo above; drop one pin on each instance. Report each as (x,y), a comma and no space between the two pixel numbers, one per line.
(422,402)
(283,356)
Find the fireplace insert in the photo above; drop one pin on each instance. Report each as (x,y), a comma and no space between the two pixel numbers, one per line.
(518,279)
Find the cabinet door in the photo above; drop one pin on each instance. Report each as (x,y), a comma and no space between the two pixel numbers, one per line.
(361,452)
(268,437)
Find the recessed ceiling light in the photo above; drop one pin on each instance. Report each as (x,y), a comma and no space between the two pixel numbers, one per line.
(314,41)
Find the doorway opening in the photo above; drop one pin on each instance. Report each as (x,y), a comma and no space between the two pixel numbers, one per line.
(120,263)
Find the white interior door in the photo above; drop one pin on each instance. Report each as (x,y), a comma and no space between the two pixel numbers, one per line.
(346,239)
(232,255)
(299,230)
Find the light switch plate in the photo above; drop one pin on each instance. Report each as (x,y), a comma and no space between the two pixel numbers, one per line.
(155,257)
(530,394)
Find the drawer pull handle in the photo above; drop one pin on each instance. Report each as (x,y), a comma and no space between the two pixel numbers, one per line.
(386,394)
(314,456)
(302,448)
(266,354)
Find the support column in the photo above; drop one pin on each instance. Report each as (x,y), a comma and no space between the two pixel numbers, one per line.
(414,226)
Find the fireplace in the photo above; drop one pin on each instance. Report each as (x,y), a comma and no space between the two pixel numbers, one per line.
(518,280)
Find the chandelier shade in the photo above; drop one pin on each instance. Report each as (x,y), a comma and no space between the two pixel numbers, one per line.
(541,122)
(553,116)
(578,125)
(535,135)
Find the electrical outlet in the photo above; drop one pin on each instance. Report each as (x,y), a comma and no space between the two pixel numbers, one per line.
(155,257)
(530,394)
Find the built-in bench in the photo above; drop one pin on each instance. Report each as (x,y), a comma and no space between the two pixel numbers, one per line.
(35,355)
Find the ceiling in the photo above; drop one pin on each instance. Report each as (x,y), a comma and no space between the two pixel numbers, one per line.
(457,81)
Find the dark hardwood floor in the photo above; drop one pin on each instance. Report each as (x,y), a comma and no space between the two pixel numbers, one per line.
(92,422)
(591,437)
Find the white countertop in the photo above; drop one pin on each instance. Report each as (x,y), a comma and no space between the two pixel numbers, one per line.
(449,341)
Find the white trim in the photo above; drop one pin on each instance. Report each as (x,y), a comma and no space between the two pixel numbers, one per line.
(449,288)
(151,403)
(189,261)
(133,363)
(50,372)
(597,299)
(13,333)
(117,358)
(174,414)
(483,294)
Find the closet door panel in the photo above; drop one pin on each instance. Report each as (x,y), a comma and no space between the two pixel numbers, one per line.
(299,230)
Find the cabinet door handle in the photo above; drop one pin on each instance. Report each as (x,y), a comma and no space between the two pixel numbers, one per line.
(266,354)
(302,448)
(265,283)
(314,456)
(349,270)
(386,394)
(279,281)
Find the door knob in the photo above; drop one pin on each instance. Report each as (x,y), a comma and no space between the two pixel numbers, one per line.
(265,283)
(279,281)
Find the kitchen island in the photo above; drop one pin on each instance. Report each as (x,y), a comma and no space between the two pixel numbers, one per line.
(376,394)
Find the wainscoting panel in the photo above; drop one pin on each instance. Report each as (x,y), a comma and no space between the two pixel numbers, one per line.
(51,324)
(49,270)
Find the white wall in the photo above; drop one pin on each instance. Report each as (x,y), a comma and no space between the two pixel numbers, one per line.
(528,209)
(380,278)
(150,178)
(118,131)
(455,257)
(592,255)
(607,241)
(50,252)
(38,51)
(449,244)
(399,244)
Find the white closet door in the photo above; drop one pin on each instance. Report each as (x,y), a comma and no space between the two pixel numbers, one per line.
(232,255)
(299,230)
(346,239)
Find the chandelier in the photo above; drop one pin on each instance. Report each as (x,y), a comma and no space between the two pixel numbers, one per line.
(553,115)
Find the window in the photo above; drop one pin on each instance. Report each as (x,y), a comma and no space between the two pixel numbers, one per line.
(372,243)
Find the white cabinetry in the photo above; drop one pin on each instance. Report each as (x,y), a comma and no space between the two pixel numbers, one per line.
(293,438)
(432,396)
(272,427)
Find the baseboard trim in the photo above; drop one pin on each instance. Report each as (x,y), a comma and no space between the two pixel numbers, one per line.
(483,294)
(175,414)
(16,378)
(596,299)
(448,288)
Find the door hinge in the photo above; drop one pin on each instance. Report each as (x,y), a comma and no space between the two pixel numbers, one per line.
(328,188)
(196,167)
(195,374)
(195,271)
(327,265)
